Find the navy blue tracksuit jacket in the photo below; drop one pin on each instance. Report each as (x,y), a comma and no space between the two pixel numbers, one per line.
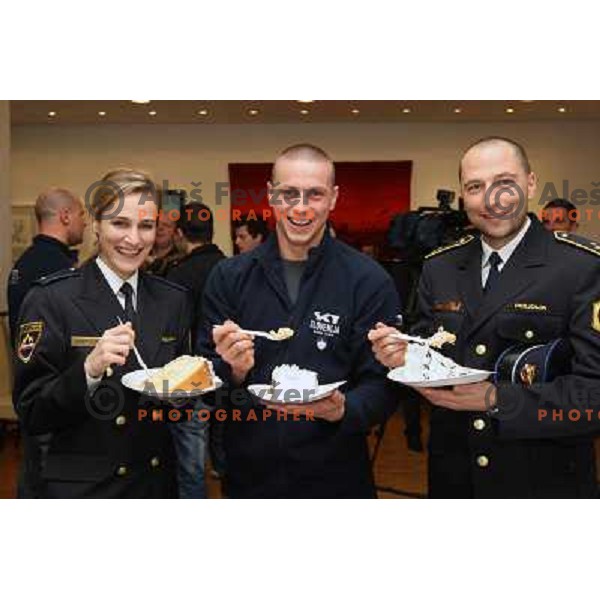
(343,293)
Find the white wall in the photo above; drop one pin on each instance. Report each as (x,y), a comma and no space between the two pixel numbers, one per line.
(75,156)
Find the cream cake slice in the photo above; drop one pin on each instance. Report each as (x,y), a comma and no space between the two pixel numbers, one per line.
(185,373)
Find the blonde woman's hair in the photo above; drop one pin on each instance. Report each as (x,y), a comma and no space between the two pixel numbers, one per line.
(117,184)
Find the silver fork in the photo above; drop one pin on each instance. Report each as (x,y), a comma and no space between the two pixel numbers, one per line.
(410,338)
(138,356)
(263,334)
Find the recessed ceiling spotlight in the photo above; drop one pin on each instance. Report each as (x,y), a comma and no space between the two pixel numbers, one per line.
(51,114)
(355,111)
(101,113)
(152,113)
(140,101)
(458,110)
(202,112)
(562,109)
(304,111)
(510,110)
(253,112)
(406,110)
(305,101)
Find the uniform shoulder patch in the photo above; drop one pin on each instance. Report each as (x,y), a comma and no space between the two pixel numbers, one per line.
(463,241)
(29,337)
(58,276)
(166,282)
(577,241)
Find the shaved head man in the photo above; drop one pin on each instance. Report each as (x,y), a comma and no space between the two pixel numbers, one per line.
(60,214)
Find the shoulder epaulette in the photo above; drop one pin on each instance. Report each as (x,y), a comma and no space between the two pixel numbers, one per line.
(462,242)
(58,276)
(577,241)
(166,282)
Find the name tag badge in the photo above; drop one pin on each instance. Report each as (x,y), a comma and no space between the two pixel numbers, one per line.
(530,307)
(83,341)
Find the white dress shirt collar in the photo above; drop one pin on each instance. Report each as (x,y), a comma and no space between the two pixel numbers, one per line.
(506,251)
(115,282)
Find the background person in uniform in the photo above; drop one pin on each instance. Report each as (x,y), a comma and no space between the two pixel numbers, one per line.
(60,216)
(250,233)
(165,251)
(72,353)
(330,295)
(518,284)
(196,228)
(61,224)
(560,215)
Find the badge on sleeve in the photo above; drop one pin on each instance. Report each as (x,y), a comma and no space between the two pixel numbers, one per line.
(29,336)
(596,316)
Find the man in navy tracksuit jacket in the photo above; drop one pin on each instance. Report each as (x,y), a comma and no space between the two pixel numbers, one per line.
(338,295)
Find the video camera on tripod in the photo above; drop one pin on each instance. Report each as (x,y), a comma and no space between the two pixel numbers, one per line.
(416,233)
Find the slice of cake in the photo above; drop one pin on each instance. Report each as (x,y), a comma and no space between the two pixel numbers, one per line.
(441,337)
(186,374)
(291,383)
(283,333)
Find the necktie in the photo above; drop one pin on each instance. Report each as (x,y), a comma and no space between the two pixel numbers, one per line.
(494,273)
(127,291)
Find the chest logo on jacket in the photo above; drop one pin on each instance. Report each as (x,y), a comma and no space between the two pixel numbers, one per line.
(324,325)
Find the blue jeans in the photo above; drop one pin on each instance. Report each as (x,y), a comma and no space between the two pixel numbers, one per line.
(189,438)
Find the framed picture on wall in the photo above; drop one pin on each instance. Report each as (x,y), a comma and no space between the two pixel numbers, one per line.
(24,228)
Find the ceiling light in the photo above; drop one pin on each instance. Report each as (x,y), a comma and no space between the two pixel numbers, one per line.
(101,113)
(510,110)
(51,114)
(406,110)
(562,109)
(253,112)
(355,111)
(152,113)
(202,112)
(458,110)
(304,111)
(140,101)
(305,101)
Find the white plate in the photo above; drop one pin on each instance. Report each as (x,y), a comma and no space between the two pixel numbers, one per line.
(265,392)
(402,375)
(136,380)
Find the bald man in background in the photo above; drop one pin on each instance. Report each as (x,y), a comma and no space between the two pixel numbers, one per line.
(61,223)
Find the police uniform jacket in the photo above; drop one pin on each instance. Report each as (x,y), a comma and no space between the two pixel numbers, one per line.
(342,295)
(548,289)
(45,256)
(101,447)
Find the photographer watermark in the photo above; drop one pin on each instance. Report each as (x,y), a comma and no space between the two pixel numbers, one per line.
(222,195)
(106,402)
(504,200)
(236,415)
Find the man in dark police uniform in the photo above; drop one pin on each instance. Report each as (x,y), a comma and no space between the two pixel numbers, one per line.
(61,220)
(515,285)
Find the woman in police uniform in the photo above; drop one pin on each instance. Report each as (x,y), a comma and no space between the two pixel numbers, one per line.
(72,352)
